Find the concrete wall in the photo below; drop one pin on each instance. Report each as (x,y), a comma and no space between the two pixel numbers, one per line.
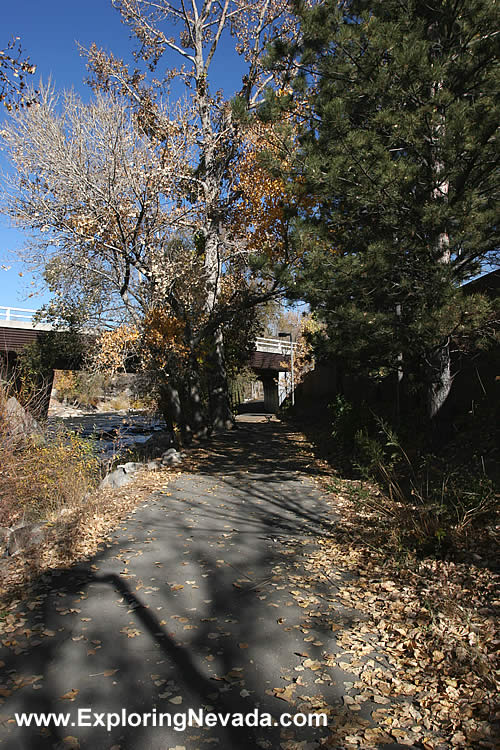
(271,398)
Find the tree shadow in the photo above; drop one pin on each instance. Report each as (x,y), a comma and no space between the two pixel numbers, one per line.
(189,600)
(236,683)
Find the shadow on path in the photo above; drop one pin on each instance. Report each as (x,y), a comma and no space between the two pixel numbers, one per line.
(189,606)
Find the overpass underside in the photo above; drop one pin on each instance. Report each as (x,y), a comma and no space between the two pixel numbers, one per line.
(268,366)
(14,337)
(270,361)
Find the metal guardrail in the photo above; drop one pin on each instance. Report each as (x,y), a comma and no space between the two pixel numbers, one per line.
(17,314)
(270,345)
(274,346)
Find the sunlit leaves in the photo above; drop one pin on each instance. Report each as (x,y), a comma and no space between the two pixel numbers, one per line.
(114,347)
(163,337)
(13,71)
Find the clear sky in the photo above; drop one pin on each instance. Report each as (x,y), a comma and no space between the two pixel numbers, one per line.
(49,31)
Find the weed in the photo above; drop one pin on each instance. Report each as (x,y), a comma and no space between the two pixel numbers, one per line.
(42,472)
(431,502)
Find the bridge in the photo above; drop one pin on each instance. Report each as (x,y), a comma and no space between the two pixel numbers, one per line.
(270,360)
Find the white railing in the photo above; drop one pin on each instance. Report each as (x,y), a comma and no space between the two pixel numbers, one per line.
(274,346)
(17,314)
(24,315)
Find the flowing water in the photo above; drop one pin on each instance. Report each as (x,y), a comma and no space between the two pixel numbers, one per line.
(113,431)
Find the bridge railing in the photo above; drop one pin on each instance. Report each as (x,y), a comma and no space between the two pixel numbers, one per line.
(17,314)
(262,344)
(274,346)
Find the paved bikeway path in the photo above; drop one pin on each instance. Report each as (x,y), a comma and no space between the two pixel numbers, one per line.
(190,606)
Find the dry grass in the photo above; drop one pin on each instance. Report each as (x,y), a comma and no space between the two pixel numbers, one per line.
(52,478)
(42,474)
(77,533)
(118,403)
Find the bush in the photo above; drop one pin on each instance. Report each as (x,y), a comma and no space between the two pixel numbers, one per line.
(349,421)
(433,502)
(82,389)
(42,473)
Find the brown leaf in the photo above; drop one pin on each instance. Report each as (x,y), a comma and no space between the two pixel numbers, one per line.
(285,694)
(312,664)
(70,695)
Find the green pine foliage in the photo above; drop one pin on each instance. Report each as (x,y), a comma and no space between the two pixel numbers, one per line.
(399,147)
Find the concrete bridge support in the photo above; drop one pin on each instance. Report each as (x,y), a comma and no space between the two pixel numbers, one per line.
(270,360)
(271,398)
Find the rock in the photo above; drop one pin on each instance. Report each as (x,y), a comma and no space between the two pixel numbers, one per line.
(156,445)
(172,461)
(19,422)
(130,467)
(152,465)
(171,457)
(24,537)
(117,478)
(170,452)
(4,540)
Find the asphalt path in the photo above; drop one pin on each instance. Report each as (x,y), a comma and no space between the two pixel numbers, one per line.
(189,607)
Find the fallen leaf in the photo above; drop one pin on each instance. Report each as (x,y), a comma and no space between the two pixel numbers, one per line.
(312,664)
(286,694)
(71,743)
(70,695)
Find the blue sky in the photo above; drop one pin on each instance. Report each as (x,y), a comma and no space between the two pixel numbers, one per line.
(49,31)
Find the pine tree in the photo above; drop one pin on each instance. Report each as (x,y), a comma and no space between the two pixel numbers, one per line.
(399,147)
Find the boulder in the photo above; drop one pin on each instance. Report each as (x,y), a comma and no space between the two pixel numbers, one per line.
(172,457)
(170,452)
(24,537)
(155,446)
(117,478)
(152,465)
(130,467)
(19,422)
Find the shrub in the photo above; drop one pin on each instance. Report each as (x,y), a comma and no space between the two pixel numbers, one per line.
(349,421)
(42,473)
(83,389)
(433,502)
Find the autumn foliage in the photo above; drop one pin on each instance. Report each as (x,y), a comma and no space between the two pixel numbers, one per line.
(14,68)
(267,199)
(43,473)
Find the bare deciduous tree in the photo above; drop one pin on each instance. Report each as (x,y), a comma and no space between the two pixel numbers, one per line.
(130,200)
(14,68)
(100,198)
